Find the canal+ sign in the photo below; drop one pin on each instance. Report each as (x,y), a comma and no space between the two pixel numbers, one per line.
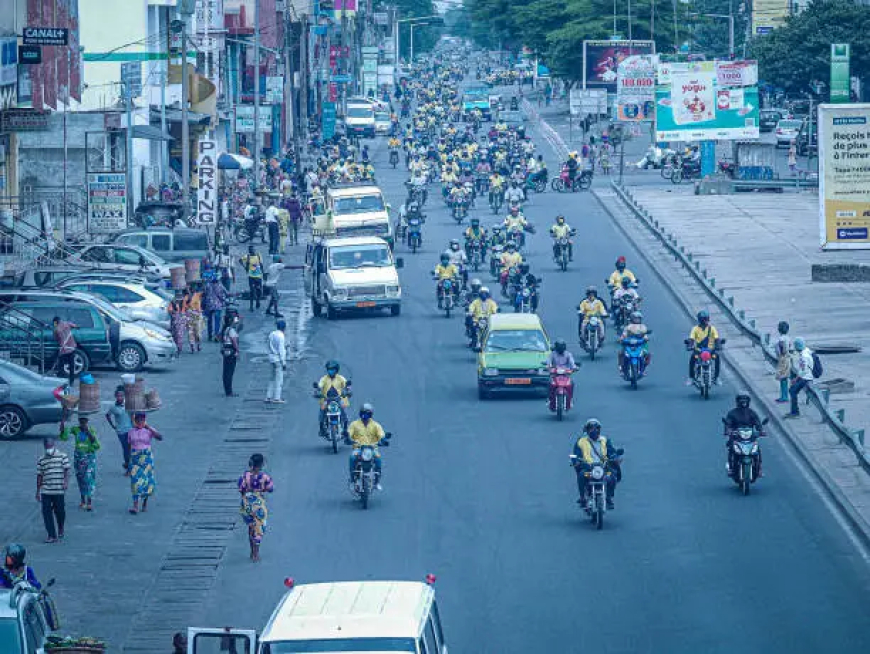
(45,36)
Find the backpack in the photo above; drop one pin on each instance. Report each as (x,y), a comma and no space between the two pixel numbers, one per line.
(817,366)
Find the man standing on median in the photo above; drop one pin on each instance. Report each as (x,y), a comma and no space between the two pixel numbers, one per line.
(802,361)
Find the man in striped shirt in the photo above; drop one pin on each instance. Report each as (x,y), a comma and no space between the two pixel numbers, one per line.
(52,480)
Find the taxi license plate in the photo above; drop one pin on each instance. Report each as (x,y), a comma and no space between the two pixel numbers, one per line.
(365,305)
(518,381)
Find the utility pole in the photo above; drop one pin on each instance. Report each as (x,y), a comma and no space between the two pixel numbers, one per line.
(187,10)
(65,110)
(128,105)
(164,145)
(303,82)
(256,94)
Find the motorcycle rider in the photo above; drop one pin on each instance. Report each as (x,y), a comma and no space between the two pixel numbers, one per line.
(592,448)
(562,230)
(527,279)
(741,416)
(510,258)
(498,237)
(476,233)
(15,570)
(615,280)
(560,357)
(444,271)
(704,335)
(496,185)
(592,306)
(515,222)
(333,381)
(458,259)
(514,195)
(635,327)
(572,165)
(366,431)
(473,292)
(483,306)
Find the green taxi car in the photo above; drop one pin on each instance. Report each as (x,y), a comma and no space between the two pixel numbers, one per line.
(513,356)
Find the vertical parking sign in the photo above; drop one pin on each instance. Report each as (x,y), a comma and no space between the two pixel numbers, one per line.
(207,171)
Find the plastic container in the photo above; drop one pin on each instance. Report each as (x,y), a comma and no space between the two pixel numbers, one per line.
(128,379)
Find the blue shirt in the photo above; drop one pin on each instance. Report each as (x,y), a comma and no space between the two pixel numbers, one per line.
(121,418)
(8,581)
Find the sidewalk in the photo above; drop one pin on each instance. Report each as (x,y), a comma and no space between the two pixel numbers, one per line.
(112,569)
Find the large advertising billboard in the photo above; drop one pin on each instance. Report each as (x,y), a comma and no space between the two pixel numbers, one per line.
(844,176)
(697,101)
(635,89)
(601,60)
(767,15)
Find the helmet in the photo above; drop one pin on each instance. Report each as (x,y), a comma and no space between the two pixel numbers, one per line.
(475,222)
(591,290)
(454,243)
(560,345)
(445,258)
(476,285)
(15,554)
(742,400)
(799,344)
(560,218)
(511,245)
(703,316)
(620,263)
(332,367)
(592,427)
(484,292)
(636,317)
(626,281)
(366,411)
(514,208)
(496,229)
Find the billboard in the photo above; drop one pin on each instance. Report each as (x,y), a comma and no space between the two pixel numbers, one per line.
(601,60)
(693,103)
(107,202)
(583,102)
(206,171)
(635,89)
(840,81)
(767,15)
(844,176)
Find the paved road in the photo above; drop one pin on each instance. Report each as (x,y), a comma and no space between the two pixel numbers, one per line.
(481,493)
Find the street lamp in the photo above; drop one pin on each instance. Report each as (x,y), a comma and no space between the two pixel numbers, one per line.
(412,21)
(413,25)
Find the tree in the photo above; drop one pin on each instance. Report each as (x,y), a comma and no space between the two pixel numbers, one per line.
(799,53)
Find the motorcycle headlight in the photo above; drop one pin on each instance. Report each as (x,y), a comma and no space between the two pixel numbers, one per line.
(333,407)
(598,473)
(339,293)
(490,372)
(367,454)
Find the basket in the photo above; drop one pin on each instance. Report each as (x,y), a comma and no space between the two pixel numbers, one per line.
(152,400)
(89,402)
(69,401)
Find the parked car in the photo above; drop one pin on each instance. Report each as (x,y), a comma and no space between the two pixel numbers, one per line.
(127,258)
(26,399)
(807,140)
(786,131)
(117,338)
(139,301)
(169,244)
(768,119)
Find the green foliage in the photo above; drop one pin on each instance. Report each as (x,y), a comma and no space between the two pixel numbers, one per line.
(799,52)
(425,36)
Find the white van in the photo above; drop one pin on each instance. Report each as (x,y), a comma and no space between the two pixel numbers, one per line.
(357,210)
(359,119)
(366,616)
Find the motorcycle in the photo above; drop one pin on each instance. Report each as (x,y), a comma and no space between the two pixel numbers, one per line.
(249,230)
(478,329)
(561,391)
(524,297)
(363,481)
(333,424)
(622,313)
(744,457)
(536,182)
(494,257)
(481,184)
(394,157)
(416,193)
(496,199)
(475,253)
(459,208)
(415,233)
(633,359)
(595,498)
(591,338)
(508,276)
(704,366)
(562,257)
(728,167)
(689,169)
(564,184)
(446,296)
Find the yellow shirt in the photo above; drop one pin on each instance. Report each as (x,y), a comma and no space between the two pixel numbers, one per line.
(446,272)
(594,308)
(496,181)
(479,309)
(560,231)
(339,383)
(393,143)
(616,277)
(515,223)
(511,260)
(362,434)
(704,337)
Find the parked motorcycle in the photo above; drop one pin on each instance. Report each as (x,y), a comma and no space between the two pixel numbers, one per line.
(704,365)
(689,169)
(364,480)
(744,456)
(333,423)
(561,391)
(633,359)
(590,339)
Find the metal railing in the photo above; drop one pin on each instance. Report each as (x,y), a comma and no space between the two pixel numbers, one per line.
(23,338)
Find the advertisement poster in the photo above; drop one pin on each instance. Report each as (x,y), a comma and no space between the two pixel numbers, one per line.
(767,15)
(107,202)
(583,102)
(601,60)
(693,103)
(840,83)
(635,89)
(206,171)
(844,176)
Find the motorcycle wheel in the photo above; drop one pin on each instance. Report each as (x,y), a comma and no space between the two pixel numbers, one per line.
(563,262)
(705,392)
(557,185)
(677,176)
(599,518)
(364,493)
(413,246)
(448,306)
(667,171)
(242,235)
(540,186)
(584,183)
(746,480)
(633,376)
(333,436)
(560,407)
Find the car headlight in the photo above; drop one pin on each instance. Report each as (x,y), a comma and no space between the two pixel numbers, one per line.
(597,472)
(339,293)
(393,290)
(490,372)
(543,371)
(150,333)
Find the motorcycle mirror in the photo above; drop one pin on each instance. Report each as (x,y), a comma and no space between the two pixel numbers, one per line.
(722,341)
(688,341)
(648,332)
(50,583)
(349,382)
(400,262)
(314,385)
(620,451)
(388,435)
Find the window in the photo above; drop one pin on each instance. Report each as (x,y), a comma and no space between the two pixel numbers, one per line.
(360,256)
(44,314)
(206,643)
(358,204)
(189,241)
(140,240)
(359,112)
(161,242)
(81,316)
(115,294)
(516,340)
(129,257)
(99,255)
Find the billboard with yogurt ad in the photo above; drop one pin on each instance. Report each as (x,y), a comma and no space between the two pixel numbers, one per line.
(695,101)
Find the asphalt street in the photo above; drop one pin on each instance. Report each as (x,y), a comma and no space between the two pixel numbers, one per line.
(481,493)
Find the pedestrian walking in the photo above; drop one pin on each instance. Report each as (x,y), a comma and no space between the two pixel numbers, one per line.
(214,299)
(294,208)
(802,361)
(177,321)
(252,263)
(283,228)
(142,481)
(272,277)
(253,485)
(119,419)
(85,448)
(783,360)
(278,360)
(224,264)
(67,345)
(272,226)
(792,157)
(193,314)
(229,352)
(52,480)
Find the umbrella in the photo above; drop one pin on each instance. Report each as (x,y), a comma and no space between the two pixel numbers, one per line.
(227,161)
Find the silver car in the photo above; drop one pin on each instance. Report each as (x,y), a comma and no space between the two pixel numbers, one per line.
(787,131)
(26,399)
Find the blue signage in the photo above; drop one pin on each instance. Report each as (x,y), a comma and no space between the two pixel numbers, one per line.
(853,233)
(340,78)
(328,120)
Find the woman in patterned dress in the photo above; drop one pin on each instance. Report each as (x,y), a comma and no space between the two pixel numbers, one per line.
(253,485)
(142,482)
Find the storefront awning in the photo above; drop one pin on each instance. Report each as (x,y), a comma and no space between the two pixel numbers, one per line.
(150,133)
(173,115)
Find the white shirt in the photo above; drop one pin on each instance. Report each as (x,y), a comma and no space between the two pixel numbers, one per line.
(272,214)
(274,273)
(803,363)
(277,347)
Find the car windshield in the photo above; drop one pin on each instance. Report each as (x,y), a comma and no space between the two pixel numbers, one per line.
(333,645)
(790,124)
(10,637)
(360,256)
(359,112)
(383,118)
(516,340)
(358,204)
